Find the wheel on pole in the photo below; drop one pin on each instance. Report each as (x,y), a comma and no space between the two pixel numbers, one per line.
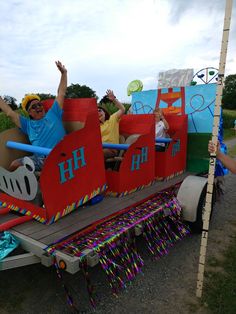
(205,76)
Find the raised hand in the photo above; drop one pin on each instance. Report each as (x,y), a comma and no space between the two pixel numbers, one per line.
(212,149)
(61,67)
(110,95)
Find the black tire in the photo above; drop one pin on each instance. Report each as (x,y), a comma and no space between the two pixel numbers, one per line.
(196,227)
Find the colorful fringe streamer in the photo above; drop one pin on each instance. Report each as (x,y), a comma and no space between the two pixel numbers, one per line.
(69,298)
(113,239)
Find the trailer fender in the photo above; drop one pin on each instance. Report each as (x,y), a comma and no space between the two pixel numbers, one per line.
(189,195)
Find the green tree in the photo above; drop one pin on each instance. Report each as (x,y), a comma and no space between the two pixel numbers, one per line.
(111,108)
(46,96)
(42,96)
(229,92)
(11,101)
(80,91)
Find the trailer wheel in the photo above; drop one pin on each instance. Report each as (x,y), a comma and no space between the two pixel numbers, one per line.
(192,196)
(196,226)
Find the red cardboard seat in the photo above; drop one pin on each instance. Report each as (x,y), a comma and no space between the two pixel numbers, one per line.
(173,160)
(137,166)
(71,175)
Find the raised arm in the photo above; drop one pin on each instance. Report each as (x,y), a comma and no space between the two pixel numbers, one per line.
(116,102)
(14,116)
(227,161)
(62,85)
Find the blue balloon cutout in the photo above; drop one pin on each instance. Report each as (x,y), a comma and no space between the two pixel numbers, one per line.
(201,75)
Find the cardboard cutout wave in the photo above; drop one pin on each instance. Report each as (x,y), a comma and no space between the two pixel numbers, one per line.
(22,183)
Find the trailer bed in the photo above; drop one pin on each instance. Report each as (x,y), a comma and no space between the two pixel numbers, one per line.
(34,236)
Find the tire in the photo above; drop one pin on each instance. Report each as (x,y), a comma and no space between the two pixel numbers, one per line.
(197,226)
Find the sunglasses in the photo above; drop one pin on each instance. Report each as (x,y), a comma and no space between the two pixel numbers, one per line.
(35,106)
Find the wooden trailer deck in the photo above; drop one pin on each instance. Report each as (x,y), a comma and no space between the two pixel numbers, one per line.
(34,236)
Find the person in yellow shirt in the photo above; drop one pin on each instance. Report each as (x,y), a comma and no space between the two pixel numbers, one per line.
(109,124)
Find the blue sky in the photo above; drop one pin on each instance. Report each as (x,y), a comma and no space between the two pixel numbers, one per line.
(105,44)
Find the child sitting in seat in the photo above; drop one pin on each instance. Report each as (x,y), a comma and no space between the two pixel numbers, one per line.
(161,127)
(109,124)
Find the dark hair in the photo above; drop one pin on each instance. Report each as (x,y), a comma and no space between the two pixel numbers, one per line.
(104,100)
(107,114)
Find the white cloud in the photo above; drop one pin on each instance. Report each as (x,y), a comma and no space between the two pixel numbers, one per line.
(106,44)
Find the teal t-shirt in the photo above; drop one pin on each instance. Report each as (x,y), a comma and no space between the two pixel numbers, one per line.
(46,132)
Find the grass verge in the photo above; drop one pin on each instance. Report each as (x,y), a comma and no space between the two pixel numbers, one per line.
(220,287)
(229,133)
(232,151)
(229,116)
(220,284)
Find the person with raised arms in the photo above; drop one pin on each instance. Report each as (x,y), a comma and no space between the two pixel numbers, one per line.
(43,129)
(109,124)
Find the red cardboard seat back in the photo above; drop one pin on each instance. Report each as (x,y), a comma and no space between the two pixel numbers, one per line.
(137,167)
(70,175)
(173,160)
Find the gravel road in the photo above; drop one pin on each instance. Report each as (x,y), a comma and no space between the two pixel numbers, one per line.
(166,286)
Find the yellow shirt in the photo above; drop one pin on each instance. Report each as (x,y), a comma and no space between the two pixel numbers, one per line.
(110,130)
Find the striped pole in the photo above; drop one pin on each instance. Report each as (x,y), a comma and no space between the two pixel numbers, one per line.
(212,162)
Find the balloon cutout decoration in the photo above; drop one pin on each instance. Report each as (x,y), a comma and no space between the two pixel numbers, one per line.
(134,86)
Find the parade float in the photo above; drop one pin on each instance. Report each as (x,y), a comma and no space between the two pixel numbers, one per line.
(79,212)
